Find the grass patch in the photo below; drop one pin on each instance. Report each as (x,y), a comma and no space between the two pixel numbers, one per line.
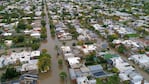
(132,35)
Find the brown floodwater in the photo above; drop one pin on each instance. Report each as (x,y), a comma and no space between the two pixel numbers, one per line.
(52,77)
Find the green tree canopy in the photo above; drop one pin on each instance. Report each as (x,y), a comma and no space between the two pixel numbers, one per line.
(44,62)
(9,74)
(43,23)
(112,37)
(63,75)
(21,25)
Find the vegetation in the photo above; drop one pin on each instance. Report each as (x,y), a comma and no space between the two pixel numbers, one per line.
(122,49)
(52,28)
(35,46)
(63,75)
(43,33)
(115,70)
(44,62)
(141,51)
(64,43)
(73,31)
(44,50)
(80,43)
(91,59)
(9,74)
(60,62)
(43,23)
(112,37)
(109,80)
(1,8)
(147,48)
(131,35)
(21,25)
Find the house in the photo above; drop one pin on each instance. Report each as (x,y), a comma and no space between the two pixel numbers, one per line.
(97,71)
(127,43)
(84,80)
(30,66)
(123,67)
(29,79)
(81,38)
(14,82)
(38,13)
(74,62)
(68,55)
(8,43)
(86,49)
(6,34)
(98,27)
(141,59)
(79,72)
(13,57)
(35,34)
(136,78)
(66,49)
(27,31)
(147,53)
(72,74)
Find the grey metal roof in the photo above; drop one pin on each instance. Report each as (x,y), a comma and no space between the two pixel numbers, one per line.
(95,68)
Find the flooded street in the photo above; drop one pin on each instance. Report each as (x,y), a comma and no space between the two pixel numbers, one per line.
(52,77)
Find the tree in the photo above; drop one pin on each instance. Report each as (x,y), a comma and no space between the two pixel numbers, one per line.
(9,74)
(63,75)
(21,25)
(29,27)
(112,37)
(43,36)
(80,43)
(121,49)
(73,44)
(43,33)
(60,62)
(44,62)
(18,39)
(43,14)
(52,32)
(64,43)
(147,48)
(44,50)
(57,48)
(115,70)
(35,46)
(43,23)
